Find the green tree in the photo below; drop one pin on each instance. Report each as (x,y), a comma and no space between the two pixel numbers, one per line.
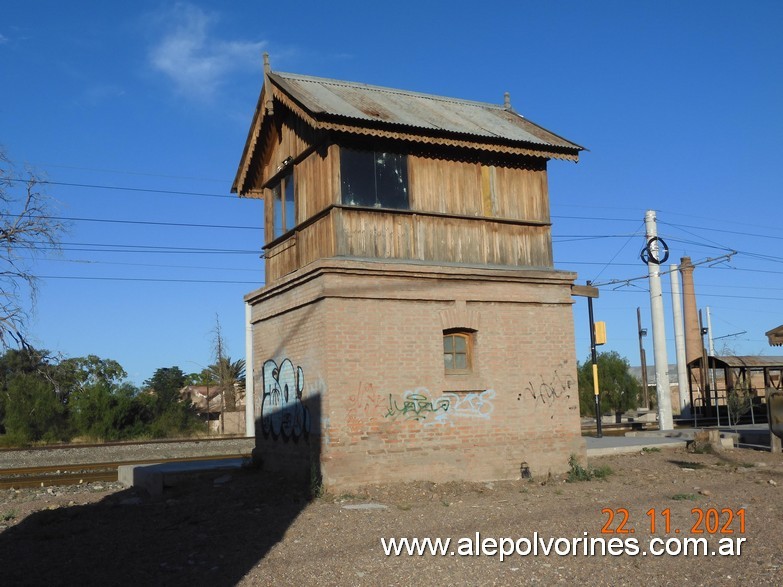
(619,389)
(171,415)
(165,384)
(33,412)
(27,361)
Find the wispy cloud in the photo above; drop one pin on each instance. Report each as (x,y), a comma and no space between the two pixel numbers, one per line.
(193,58)
(3,39)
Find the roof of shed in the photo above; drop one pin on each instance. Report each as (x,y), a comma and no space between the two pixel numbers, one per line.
(752,361)
(363,102)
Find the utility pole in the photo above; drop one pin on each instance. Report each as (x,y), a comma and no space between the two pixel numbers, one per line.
(679,343)
(654,260)
(711,350)
(705,382)
(643,357)
(250,402)
(594,355)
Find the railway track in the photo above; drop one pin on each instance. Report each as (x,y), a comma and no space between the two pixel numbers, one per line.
(53,475)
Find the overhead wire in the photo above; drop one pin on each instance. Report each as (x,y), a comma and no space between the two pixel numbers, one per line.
(143,222)
(126,189)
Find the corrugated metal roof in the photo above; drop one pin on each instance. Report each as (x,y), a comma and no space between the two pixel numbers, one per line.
(754,361)
(362,102)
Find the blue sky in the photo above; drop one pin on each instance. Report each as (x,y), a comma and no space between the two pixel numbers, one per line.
(677,102)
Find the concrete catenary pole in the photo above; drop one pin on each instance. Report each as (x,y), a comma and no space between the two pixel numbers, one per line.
(679,343)
(665,421)
(250,402)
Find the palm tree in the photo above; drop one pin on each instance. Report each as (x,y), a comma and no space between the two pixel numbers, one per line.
(230,377)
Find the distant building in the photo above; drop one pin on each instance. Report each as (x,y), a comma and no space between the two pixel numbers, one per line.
(209,404)
(412,325)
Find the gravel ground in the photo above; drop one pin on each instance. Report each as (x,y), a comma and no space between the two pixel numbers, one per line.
(127,451)
(249,529)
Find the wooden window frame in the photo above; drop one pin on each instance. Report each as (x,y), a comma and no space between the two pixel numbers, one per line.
(281,186)
(468,336)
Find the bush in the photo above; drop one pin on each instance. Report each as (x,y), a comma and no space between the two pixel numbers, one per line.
(33,412)
(579,473)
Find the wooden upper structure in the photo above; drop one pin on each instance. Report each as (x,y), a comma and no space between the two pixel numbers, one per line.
(775,336)
(352,170)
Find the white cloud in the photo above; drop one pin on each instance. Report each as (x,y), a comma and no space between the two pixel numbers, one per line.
(3,39)
(190,56)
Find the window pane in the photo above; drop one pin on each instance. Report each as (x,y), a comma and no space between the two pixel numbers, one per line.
(290,210)
(277,211)
(461,344)
(448,344)
(460,361)
(448,360)
(357,171)
(392,180)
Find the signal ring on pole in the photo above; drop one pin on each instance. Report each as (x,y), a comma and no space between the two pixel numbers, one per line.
(647,255)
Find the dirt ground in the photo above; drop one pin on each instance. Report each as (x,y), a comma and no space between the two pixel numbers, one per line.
(249,529)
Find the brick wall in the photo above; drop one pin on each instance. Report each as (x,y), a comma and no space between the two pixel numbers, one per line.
(369,340)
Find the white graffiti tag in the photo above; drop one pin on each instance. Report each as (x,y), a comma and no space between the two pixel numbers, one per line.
(419,405)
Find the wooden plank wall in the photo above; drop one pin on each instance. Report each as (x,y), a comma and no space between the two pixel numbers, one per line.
(401,235)
(443,190)
(473,189)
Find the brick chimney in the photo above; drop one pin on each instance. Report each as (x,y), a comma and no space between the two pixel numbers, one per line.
(693,340)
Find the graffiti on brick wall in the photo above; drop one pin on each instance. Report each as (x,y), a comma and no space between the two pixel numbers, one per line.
(282,412)
(420,405)
(550,389)
(364,405)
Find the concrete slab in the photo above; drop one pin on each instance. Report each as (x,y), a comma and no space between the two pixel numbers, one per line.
(612,445)
(153,478)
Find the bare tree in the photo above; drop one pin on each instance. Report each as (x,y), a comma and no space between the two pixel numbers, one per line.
(230,375)
(27,228)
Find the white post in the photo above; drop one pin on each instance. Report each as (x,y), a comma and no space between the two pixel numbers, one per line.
(679,343)
(709,333)
(250,402)
(665,421)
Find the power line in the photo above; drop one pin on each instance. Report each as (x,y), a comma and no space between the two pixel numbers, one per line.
(125,172)
(146,279)
(143,222)
(126,189)
(159,265)
(89,247)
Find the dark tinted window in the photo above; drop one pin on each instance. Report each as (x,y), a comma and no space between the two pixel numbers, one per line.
(374,179)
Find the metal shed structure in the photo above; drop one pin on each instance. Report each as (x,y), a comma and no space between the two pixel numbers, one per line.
(731,384)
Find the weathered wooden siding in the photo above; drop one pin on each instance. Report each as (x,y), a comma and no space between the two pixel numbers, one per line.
(403,235)
(520,193)
(315,241)
(281,259)
(290,139)
(467,188)
(449,187)
(311,241)
(461,212)
(314,184)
